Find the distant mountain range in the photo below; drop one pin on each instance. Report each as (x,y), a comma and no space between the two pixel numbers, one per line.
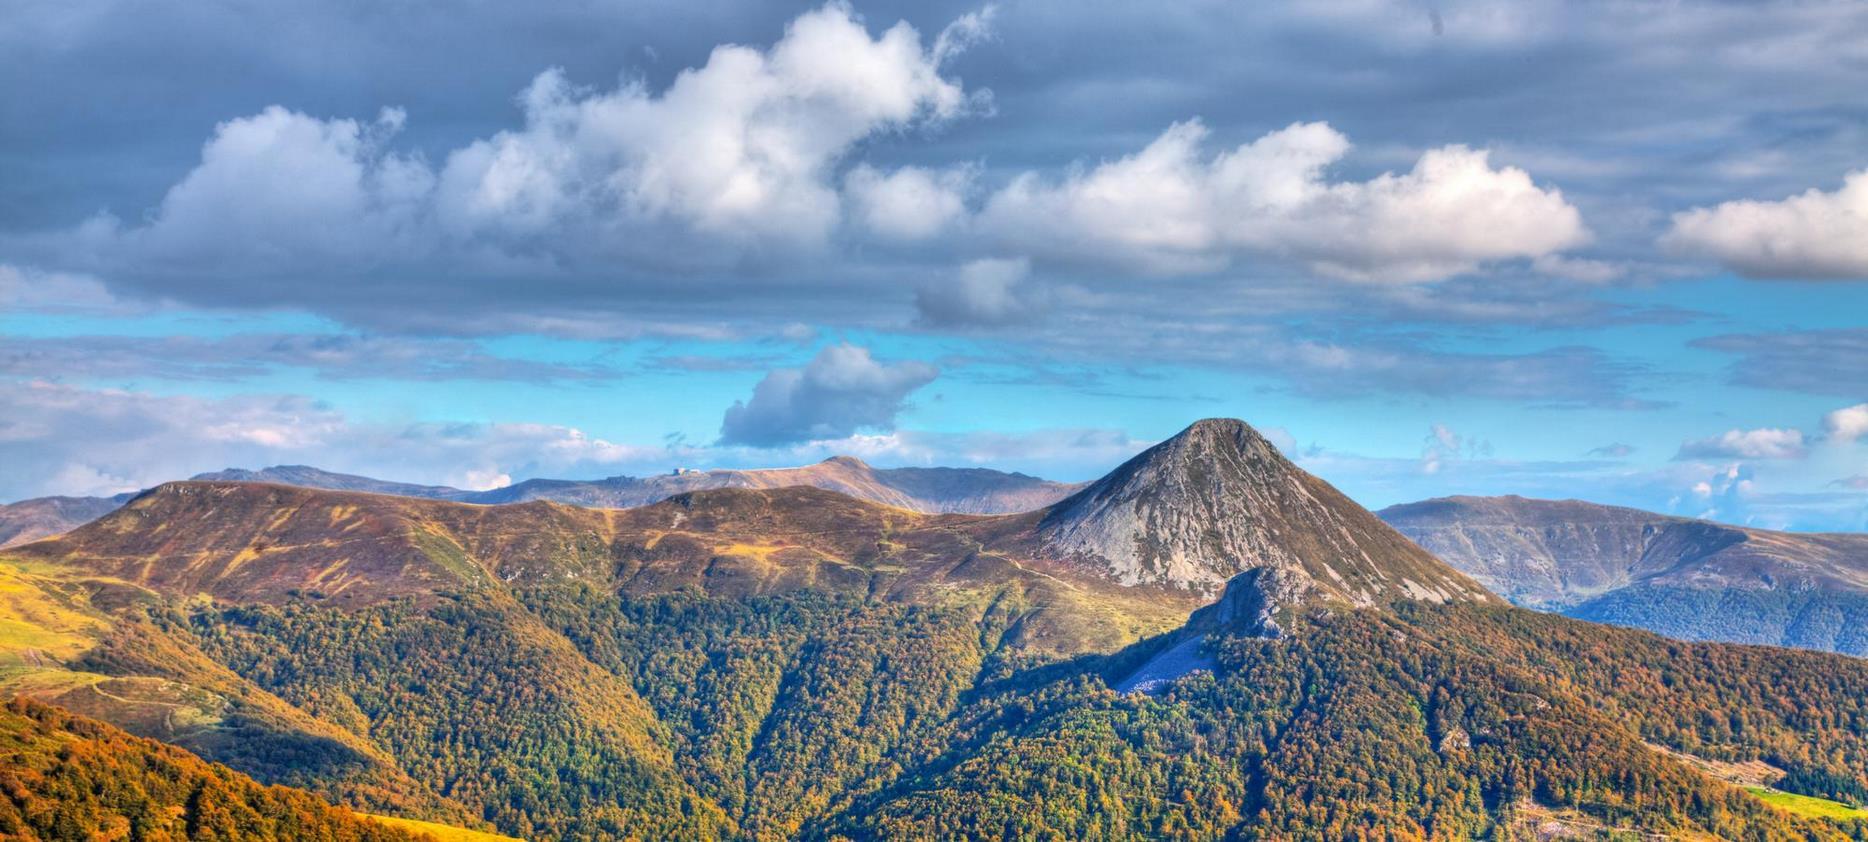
(41,517)
(796,663)
(1684,578)
(935,490)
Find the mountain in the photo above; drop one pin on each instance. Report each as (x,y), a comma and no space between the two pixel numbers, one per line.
(1684,578)
(960,490)
(30,520)
(309,477)
(1219,499)
(794,663)
(964,490)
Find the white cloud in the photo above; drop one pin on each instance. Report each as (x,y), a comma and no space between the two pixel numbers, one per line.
(911,203)
(1174,208)
(839,392)
(1810,235)
(1763,443)
(1847,424)
(736,156)
(282,185)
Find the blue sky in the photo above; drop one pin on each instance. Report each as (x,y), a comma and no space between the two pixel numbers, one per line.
(1616,251)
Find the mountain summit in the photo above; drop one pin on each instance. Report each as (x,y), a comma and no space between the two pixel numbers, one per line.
(1218,500)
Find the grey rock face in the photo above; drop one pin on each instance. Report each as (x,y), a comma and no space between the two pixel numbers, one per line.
(1218,500)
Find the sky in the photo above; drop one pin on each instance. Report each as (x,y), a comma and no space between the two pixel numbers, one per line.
(1611,250)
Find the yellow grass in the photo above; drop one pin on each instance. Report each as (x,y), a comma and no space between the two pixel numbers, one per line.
(439,832)
(762,552)
(1804,805)
(37,621)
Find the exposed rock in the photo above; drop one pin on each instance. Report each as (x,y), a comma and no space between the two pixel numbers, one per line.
(1218,500)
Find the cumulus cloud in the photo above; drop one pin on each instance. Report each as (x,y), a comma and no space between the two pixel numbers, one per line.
(60,439)
(840,391)
(984,292)
(1173,207)
(1847,424)
(1813,235)
(911,203)
(1762,443)
(736,157)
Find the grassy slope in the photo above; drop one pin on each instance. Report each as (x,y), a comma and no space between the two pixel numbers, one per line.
(438,832)
(1804,805)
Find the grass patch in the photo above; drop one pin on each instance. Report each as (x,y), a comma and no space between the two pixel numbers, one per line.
(35,619)
(439,832)
(1804,805)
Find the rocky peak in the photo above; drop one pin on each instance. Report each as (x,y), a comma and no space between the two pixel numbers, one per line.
(1218,500)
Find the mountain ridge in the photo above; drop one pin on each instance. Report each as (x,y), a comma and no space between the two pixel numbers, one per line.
(1679,576)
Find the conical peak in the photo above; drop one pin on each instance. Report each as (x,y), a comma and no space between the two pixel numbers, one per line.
(846,462)
(1226,436)
(1221,431)
(1219,499)
(1205,458)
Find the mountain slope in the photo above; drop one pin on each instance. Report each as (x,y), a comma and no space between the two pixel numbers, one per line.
(41,517)
(1218,499)
(309,477)
(68,777)
(1454,721)
(386,621)
(1684,578)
